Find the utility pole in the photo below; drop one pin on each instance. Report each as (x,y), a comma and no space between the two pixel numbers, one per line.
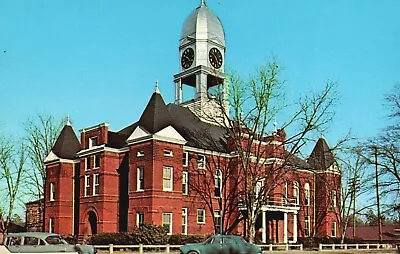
(377,195)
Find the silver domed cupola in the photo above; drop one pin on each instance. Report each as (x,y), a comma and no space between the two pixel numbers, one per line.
(203,24)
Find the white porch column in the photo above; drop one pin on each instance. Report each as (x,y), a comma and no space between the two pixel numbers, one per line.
(295,227)
(285,228)
(264,227)
(178,92)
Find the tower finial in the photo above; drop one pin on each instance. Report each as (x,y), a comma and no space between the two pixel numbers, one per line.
(203,2)
(157,90)
(68,120)
(275,126)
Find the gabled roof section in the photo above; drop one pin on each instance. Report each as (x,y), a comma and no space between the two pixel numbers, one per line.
(67,144)
(155,116)
(321,157)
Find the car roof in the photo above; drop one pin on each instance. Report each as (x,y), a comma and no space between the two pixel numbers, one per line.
(42,235)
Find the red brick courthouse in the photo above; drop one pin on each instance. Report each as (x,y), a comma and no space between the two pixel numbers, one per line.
(109,181)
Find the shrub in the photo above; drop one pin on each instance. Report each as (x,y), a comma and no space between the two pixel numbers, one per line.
(111,238)
(180,239)
(150,234)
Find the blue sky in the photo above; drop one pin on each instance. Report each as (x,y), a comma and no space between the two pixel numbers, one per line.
(98,61)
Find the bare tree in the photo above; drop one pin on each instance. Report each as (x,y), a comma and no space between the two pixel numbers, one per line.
(261,155)
(12,166)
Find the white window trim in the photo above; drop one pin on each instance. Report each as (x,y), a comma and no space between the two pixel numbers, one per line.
(96,176)
(296,193)
(87,186)
(87,159)
(91,141)
(203,211)
(185,219)
(51,224)
(334,226)
(218,179)
(186,159)
(170,180)
(201,163)
(140,154)
(170,222)
(217,214)
(307,199)
(307,226)
(52,192)
(168,153)
(138,179)
(138,218)
(94,161)
(185,180)
(334,198)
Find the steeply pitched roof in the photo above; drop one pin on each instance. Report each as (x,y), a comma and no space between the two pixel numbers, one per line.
(67,144)
(321,157)
(155,117)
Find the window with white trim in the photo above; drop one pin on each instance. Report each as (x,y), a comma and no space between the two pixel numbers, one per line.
(168,153)
(51,225)
(92,142)
(296,192)
(167,178)
(96,161)
(140,154)
(307,226)
(334,199)
(307,194)
(139,219)
(333,228)
(217,222)
(52,192)
(185,160)
(167,222)
(201,216)
(185,186)
(201,161)
(218,183)
(140,179)
(87,163)
(96,184)
(259,188)
(87,185)
(184,221)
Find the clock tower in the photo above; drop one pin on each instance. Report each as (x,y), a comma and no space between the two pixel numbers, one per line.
(200,84)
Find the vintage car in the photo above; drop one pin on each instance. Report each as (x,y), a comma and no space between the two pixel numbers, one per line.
(38,242)
(221,244)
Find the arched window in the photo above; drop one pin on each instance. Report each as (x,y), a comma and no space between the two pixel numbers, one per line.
(218,183)
(296,192)
(306,194)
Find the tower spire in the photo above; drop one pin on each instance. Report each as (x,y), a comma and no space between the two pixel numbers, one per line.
(157,90)
(203,2)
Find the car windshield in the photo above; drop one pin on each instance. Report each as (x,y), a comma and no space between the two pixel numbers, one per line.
(55,239)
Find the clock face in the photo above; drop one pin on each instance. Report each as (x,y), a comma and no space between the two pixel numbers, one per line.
(187,58)
(215,57)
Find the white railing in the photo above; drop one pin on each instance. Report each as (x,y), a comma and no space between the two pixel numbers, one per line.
(281,202)
(281,247)
(139,248)
(356,246)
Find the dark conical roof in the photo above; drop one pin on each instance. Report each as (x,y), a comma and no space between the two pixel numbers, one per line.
(155,116)
(67,144)
(321,157)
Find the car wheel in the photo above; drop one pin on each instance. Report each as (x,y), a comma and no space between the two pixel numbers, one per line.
(193,252)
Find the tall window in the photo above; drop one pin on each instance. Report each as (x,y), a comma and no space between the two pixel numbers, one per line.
(185,161)
(334,198)
(92,142)
(139,219)
(296,192)
(52,192)
(333,228)
(201,216)
(307,226)
(96,161)
(184,221)
(201,161)
(87,163)
(217,222)
(185,187)
(168,153)
(140,179)
(167,222)
(218,183)
(87,185)
(286,192)
(167,178)
(259,188)
(307,194)
(96,184)
(51,225)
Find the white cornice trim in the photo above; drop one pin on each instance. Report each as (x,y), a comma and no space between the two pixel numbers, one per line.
(208,152)
(51,157)
(60,161)
(101,148)
(138,133)
(94,127)
(169,134)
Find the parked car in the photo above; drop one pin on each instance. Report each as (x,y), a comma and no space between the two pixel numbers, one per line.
(38,242)
(221,244)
